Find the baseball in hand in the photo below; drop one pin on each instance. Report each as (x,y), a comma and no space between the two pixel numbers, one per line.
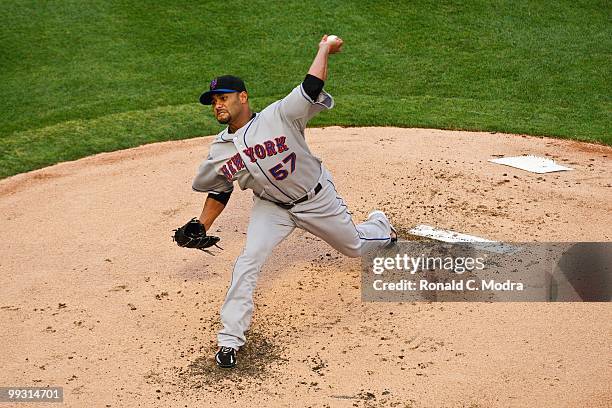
(332,38)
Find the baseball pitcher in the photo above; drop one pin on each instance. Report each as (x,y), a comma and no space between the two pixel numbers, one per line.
(267,153)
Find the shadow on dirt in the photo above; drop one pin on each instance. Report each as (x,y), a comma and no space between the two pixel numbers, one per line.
(255,364)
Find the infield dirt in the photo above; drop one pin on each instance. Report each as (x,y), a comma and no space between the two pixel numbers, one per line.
(96,298)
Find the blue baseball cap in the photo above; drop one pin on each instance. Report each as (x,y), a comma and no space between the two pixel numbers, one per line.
(222,84)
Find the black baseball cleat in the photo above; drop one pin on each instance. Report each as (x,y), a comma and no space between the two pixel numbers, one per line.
(226,357)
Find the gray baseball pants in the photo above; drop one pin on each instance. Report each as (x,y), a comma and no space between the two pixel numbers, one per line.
(325,215)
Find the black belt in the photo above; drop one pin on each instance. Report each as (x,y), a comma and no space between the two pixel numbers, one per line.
(288,206)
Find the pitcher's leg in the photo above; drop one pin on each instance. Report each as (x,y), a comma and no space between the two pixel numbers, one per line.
(327,217)
(268,226)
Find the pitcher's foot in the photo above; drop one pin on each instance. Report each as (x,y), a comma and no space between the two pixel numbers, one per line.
(393,235)
(226,357)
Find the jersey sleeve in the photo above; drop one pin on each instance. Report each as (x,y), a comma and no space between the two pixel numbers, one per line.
(208,180)
(298,106)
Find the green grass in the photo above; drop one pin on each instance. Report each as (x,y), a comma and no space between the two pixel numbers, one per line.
(84,77)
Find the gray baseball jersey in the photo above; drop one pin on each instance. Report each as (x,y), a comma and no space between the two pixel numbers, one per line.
(269,155)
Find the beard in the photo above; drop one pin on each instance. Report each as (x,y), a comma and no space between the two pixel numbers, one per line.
(224,118)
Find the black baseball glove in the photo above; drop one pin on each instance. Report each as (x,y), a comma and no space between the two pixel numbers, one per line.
(193,235)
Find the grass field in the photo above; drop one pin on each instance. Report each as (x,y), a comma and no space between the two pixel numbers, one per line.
(84,77)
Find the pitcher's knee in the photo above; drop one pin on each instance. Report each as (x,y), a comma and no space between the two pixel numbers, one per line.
(255,255)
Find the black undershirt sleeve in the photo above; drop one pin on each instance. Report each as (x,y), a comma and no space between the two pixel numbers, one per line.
(312,86)
(223,198)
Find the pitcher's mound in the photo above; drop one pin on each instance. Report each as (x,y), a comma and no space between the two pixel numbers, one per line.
(96,298)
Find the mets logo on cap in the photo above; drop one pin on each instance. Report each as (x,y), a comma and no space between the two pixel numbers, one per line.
(213,84)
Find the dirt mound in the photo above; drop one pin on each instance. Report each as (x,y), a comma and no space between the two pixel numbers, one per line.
(95,297)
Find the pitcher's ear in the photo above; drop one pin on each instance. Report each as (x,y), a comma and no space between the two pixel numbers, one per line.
(244,97)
